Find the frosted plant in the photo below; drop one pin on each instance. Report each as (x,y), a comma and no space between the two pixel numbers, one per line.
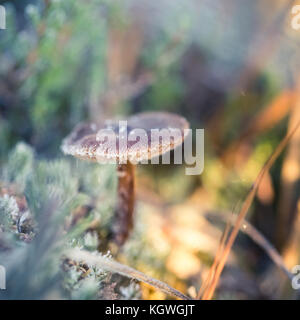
(9,211)
(131,292)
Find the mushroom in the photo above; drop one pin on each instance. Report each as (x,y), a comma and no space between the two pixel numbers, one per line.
(87,142)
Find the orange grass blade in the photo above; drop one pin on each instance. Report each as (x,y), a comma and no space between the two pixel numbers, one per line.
(212,271)
(246,205)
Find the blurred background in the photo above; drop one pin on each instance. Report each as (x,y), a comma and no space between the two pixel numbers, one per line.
(229,67)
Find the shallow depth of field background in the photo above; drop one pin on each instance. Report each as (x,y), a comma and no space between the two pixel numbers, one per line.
(231,67)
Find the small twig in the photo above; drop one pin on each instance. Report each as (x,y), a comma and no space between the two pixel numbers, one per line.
(271,251)
(261,241)
(113,266)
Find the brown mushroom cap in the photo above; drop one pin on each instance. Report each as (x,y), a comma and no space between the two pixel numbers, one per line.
(84,142)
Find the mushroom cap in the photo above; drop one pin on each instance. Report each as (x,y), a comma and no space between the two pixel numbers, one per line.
(86,143)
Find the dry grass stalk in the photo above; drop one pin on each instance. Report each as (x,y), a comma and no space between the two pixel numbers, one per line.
(208,281)
(208,294)
(113,266)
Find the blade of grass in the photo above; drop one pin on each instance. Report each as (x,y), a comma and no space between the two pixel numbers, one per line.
(116,267)
(212,270)
(245,207)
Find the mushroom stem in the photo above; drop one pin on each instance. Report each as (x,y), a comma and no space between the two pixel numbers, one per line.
(125,203)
